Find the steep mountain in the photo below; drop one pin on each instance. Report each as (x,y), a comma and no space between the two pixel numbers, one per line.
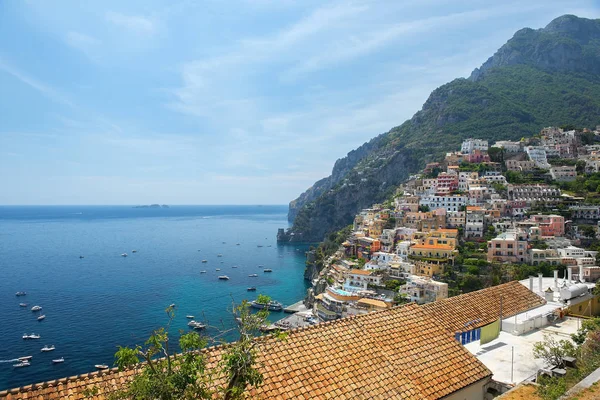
(543,77)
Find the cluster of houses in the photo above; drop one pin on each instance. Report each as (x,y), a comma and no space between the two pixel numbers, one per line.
(415,238)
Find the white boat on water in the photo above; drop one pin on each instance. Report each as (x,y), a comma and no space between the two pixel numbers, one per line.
(22,364)
(219,255)
(19,294)
(253,275)
(47,348)
(204,261)
(36,308)
(101,366)
(196,325)
(58,360)
(218,269)
(124,255)
(25,358)
(41,317)
(189,316)
(31,336)
(223,277)
(22,304)
(202,272)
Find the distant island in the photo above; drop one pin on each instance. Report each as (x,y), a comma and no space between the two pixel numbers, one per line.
(152,206)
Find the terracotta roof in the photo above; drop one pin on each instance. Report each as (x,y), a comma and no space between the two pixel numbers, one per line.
(400,353)
(359,272)
(483,306)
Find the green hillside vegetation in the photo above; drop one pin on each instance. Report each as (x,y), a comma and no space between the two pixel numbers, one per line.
(553,82)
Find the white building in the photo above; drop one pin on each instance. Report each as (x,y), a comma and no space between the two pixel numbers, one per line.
(565,173)
(469,145)
(509,147)
(537,154)
(475,224)
(464,178)
(424,290)
(358,279)
(449,203)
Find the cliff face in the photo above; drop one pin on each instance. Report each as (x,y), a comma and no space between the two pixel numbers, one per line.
(538,78)
(340,169)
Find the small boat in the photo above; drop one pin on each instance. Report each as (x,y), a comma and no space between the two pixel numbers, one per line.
(134,251)
(252,289)
(22,364)
(101,366)
(222,262)
(196,325)
(202,272)
(36,308)
(253,275)
(234,266)
(81,257)
(41,317)
(224,277)
(189,316)
(172,305)
(22,304)
(58,360)
(223,242)
(271,306)
(217,269)
(47,348)
(268,270)
(260,266)
(269,246)
(219,255)
(124,255)
(204,261)
(26,358)
(19,294)
(29,337)
(259,245)
(237,244)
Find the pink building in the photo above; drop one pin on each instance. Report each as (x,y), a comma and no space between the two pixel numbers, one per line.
(550,225)
(446,183)
(477,156)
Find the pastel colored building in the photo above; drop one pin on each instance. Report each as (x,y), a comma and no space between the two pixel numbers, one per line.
(510,246)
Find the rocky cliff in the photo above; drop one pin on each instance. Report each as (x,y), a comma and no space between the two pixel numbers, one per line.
(538,78)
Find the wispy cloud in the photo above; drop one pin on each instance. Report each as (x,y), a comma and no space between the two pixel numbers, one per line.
(46,90)
(82,42)
(136,23)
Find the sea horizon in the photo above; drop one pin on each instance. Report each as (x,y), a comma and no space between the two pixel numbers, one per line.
(95,303)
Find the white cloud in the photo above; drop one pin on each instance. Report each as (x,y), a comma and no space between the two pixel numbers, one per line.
(82,42)
(47,90)
(135,23)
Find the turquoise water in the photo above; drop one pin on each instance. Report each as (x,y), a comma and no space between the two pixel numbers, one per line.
(103,300)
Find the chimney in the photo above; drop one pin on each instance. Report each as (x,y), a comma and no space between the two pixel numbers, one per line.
(555,280)
(581,273)
(531,283)
(570,271)
(540,275)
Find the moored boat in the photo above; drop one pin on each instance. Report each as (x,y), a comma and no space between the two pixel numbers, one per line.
(19,294)
(41,317)
(189,316)
(36,308)
(22,304)
(204,261)
(271,305)
(22,364)
(58,360)
(252,289)
(202,272)
(196,325)
(223,277)
(124,255)
(101,366)
(268,270)
(253,275)
(47,348)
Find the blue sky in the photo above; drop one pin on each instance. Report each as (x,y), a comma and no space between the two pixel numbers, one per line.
(222,102)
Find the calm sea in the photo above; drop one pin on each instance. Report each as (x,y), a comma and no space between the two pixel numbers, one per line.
(95,303)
